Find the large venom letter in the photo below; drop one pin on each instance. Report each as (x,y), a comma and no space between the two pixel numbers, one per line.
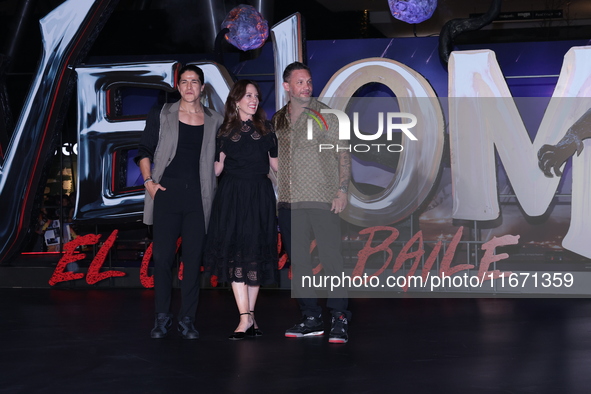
(484,117)
(102,137)
(66,32)
(420,160)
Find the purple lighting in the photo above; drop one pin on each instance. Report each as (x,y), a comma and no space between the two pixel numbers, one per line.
(412,11)
(248,29)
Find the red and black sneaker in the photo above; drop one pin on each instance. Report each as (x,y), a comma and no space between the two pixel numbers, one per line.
(309,327)
(338,330)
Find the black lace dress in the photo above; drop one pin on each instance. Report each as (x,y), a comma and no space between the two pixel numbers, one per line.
(242,234)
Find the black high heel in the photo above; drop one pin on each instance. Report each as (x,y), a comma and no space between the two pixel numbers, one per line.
(238,335)
(252,331)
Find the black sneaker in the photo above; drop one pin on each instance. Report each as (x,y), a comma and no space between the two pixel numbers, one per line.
(161,325)
(187,329)
(338,330)
(310,326)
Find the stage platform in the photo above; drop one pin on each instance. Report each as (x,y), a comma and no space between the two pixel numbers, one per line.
(98,341)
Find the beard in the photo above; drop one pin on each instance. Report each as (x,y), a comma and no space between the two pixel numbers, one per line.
(301,100)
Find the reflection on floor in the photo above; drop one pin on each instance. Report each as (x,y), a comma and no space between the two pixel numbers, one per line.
(97,341)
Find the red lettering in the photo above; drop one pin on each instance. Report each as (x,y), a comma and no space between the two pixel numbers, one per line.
(59,275)
(449,255)
(318,268)
(148,281)
(418,254)
(181,265)
(404,255)
(490,256)
(93,276)
(282,256)
(145,280)
(368,250)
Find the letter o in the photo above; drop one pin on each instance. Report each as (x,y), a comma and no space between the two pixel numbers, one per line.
(397,145)
(419,161)
(355,284)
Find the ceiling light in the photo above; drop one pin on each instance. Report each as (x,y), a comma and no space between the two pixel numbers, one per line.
(247,28)
(412,11)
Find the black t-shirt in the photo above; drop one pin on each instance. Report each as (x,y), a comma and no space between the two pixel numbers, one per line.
(185,164)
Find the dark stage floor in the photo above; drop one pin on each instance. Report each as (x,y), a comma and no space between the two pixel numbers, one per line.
(97,341)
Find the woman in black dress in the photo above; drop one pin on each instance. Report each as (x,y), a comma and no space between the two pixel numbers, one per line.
(242,238)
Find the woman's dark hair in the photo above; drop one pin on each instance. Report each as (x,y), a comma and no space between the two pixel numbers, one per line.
(232,122)
(191,67)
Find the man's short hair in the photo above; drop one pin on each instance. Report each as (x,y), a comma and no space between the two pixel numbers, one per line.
(293,67)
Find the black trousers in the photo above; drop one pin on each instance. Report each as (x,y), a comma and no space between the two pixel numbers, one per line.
(298,227)
(178,211)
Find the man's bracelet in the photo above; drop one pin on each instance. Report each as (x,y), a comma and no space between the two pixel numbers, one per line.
(148,179)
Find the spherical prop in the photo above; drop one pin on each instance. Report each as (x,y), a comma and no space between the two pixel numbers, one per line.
(412,11)
(248,29)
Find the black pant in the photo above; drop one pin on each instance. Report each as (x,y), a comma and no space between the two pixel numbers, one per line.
(297,226)
(178,211)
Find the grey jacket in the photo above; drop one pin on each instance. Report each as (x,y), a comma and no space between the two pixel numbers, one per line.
(166,149)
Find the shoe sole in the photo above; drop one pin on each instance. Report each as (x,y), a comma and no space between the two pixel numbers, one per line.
(310,334)
(337,340)
(187,336)
(160,336)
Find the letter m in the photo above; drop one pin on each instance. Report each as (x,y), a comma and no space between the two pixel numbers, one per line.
(483,116)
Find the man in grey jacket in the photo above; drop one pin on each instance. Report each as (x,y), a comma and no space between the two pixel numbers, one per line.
(176,156)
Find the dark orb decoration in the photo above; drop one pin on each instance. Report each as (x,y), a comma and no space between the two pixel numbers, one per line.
(412,11)
(247,28)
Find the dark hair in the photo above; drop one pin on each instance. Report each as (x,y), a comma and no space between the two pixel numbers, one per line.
(232,122)
(293,67)
(191,67)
